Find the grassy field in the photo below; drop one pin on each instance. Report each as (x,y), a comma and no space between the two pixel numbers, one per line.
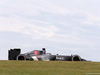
(49,68)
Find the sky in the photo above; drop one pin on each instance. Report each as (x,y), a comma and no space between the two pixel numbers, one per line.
(63,27)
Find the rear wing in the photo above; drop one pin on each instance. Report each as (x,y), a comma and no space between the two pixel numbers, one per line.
(13,53)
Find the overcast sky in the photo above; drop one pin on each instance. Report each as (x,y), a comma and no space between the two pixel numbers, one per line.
(61,26)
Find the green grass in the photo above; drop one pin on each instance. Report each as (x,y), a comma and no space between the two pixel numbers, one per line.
(48,68)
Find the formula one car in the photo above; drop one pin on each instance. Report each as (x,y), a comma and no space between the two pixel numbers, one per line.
(40,55)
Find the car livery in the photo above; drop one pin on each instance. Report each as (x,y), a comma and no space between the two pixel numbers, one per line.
(40,55)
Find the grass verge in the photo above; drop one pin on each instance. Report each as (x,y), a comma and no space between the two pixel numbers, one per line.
(48,68)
